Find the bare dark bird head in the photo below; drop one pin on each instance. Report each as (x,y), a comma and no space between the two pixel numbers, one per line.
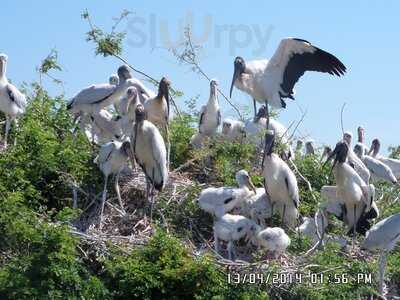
(262,113)
(124,73)
(269,143)
(213,87)
(327,151)
(131,92)
(348,137)
(163,90)
(239,68)
(361,134)
(375,147)
(340,153)
(140,113)
(126,148)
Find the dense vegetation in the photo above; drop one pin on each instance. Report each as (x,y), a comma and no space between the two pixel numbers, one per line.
(41,259)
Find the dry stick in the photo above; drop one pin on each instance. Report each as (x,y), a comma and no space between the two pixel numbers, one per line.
(297,125)
(341,116)
(200,70)
(92,27)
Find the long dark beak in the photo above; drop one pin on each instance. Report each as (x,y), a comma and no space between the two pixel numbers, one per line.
(236,74)
(269,143)
(168,102)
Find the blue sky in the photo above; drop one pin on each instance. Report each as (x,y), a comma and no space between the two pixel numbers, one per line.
(363,34)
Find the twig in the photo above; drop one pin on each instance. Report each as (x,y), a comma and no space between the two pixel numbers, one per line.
(341,116)
(297,125)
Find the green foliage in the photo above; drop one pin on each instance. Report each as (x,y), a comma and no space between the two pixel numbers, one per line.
(181,131)
(47,152)
(39,259)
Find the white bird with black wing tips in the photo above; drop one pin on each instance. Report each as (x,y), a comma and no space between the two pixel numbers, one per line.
(392,163)
(272,81)
(218,201)
(97,96)
(383,236)
(280,184)
(112,158)
(354,160)
(352,190)
(378,170)
(12,101)
(149,150)
(210,114)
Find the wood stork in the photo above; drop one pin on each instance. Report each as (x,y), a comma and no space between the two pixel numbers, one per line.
(334,205)
(383,237)
(392,163)
(105,127)
(112,158)
(308,227)
(97,96)
(127,108)
(310,147)
(273,239)
(114,79)
(157,110)
(197,140)
(326,152)
(280,184)
(12,101)
(218,201)
(298,153)
(230,228)
(255,127)
(232,130)
(378,169)
(361,139)
(257,207)
(149,151)
(354,160)
(351,188)
(272,81)
(210,114)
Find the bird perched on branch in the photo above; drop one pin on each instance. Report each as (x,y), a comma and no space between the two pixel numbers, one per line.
(12,101)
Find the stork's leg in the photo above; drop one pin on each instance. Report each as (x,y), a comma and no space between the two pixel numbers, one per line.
(283,214)
(116,186)
(272,211)
(16,126)
(230,251)
(168,146)
(152,196)
(382,267)
(255,107)
(354,227)
(8,123)
(266,132)
(216,245)
(103,200)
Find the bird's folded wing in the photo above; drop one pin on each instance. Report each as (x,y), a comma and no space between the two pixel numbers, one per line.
(94,94)
(16,96)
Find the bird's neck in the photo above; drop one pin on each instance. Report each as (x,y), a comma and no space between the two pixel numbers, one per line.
(3,69)
(213,100)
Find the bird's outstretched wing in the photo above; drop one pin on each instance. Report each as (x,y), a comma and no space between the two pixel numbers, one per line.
(16,96)
(93,94)
(296,56)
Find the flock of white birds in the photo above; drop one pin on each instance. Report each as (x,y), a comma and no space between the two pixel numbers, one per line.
(136,130)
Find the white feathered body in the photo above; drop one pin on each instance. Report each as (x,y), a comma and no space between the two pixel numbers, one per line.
(210,117)
(219,201)
(282,187)
(257,207)
(150,153)
(14,106)
(273,239)
(232,227)
(235,131)
(111,158)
